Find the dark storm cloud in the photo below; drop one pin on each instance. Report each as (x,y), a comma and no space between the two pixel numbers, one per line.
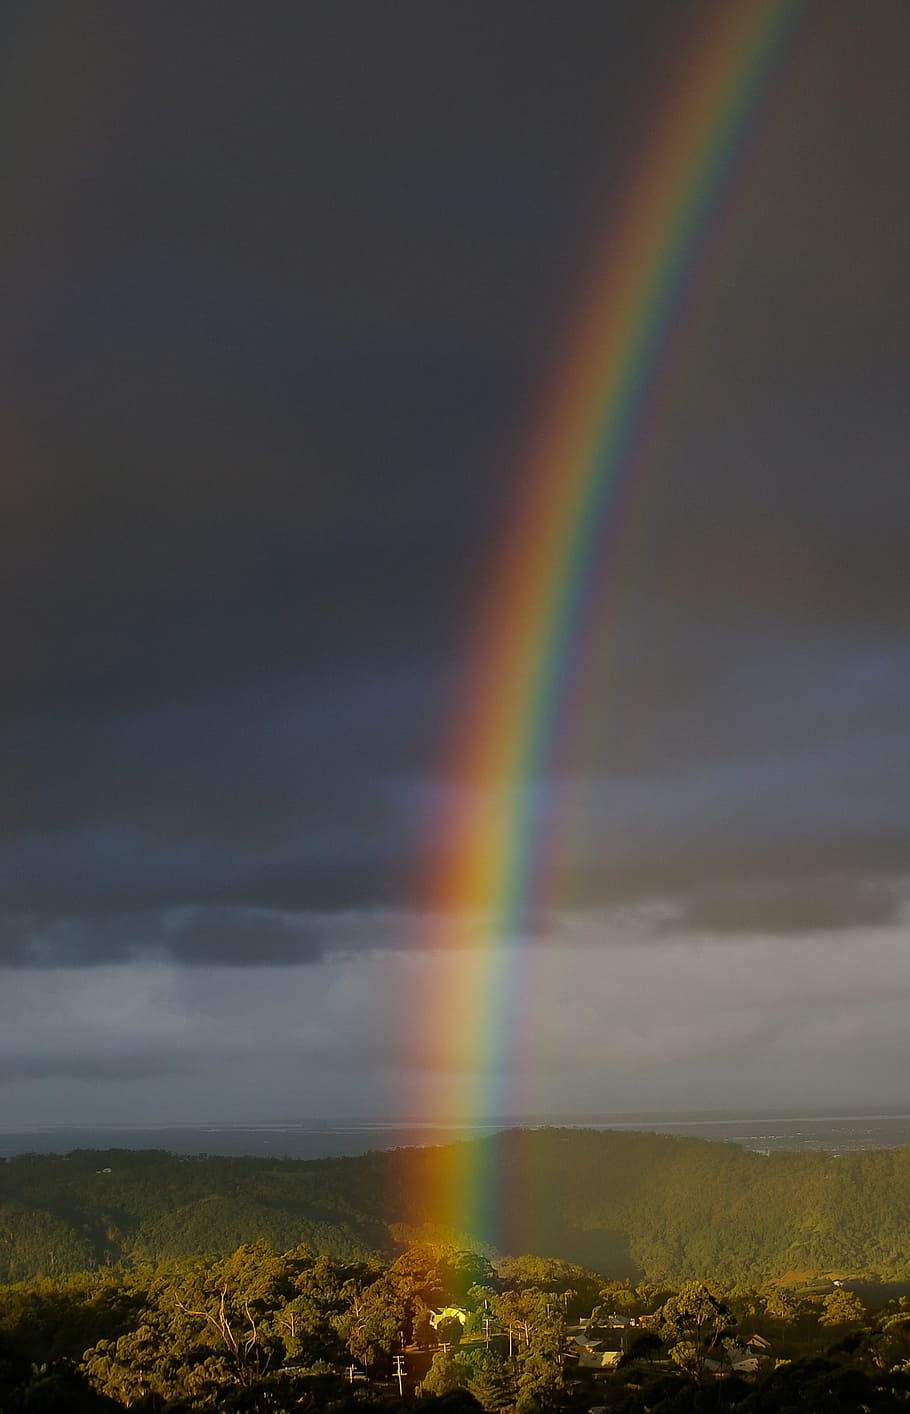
(776,802)
(257,343)
(278,301)
(227,544)
(312,807)
(117,1066)
(232,936)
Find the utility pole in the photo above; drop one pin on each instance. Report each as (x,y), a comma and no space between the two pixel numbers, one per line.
(399,1371)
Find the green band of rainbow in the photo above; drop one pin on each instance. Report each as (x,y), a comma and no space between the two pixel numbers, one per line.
(595,427)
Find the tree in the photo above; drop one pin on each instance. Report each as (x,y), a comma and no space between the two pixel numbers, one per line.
(692,1324)
(424,1332)
(815,1385)
(541,1381)
(890,1344)
(618,1297)
(61,1386)
(447,1372)
(376,1323)
(449,1330)
(645,1348)
(491,1380)
(842,1308)
(456,1401)
(422,1275)
(468,1270)
(782,1306)
(749,1308)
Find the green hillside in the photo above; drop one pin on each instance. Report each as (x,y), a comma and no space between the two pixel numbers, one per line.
(641,1206)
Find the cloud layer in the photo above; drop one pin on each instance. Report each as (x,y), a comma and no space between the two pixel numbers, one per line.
(279,311)
(757,1025)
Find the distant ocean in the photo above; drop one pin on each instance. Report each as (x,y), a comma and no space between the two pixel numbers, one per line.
(837,1133)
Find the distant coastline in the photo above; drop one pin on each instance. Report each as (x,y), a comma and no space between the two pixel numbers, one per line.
(836,1131)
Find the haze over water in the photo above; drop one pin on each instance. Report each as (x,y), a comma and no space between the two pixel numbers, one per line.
(762,1132)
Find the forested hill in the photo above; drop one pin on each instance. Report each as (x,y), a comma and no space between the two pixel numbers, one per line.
(639,1205)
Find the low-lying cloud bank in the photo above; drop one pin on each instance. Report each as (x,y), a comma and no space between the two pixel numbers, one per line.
(690,1023)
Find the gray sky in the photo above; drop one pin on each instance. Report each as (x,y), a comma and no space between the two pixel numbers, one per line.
(280,295)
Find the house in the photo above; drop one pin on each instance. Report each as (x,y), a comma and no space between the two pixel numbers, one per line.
(591,1354)
(743,1359)
(599,1359)
(613,1332)
(448,1313)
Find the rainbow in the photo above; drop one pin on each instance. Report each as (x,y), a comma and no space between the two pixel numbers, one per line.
(526,675)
